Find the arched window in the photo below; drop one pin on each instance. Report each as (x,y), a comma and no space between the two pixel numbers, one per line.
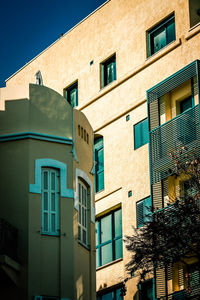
(83,220)
(50,201)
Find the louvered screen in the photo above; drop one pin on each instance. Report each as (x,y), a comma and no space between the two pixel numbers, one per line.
(154,115)
(172,82)
(157,201)
(160,283)
(181,131)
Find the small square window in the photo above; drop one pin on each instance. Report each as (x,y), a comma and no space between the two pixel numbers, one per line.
(161,35)
(108,71)
(127,118)
(130,193)
(71,94)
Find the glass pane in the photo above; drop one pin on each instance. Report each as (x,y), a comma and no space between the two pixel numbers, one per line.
(53,206)
(79,214)
(84,236)
(53,222)
(118,297)
(171,32)
(97,258)
(52,180)
(106,229)
(45,180)
(45,221)
(118,223)
(79,232)
(83,216)
(45,201)
(73,97)
(111,72)
(83,195)
(118,248)
(85,219)
(100,162)
(97,232)
(79,192)
(159,39)
(108,296)
(100,181)
(106,254)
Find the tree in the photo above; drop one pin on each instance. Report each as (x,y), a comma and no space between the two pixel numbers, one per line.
(171,234)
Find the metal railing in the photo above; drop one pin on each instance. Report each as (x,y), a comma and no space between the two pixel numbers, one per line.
(180,131)
(8,239)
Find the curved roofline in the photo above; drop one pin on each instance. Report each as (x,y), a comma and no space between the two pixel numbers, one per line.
(58,39)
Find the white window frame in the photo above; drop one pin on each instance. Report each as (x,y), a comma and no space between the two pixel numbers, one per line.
(82,212)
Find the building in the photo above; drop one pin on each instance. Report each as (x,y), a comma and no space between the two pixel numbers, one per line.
(137,75)
(46,193)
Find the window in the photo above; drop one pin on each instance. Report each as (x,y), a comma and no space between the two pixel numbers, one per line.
(108,71)
(143,211)
(146,290)
(113,294)
(71,94)
(50,201)
(161,35)
(109,238)
(141,134)
(99,164)
(194,6)
(82,214)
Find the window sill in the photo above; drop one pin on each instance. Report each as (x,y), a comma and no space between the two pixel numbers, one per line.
(169,47)
(109,264)
(50,234)
(87,247)
(107,85)
(193,31)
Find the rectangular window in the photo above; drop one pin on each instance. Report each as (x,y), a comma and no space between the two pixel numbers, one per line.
(141,133)
(82,214)
(99,164)
(50,201)
(194,6)
(113,294)
(146,290)
(143,211)
(71,94)
(161,35)
(109,238)
(108,71)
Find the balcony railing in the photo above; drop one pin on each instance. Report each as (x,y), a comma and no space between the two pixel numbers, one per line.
(183,295)
(180,131)
(8,239)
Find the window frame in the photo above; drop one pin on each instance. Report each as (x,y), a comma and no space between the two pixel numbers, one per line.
(49,211)
(143,140)
(161,25)
(83,207)
(113,290)
(111,241)
(142,203)
(68,90)
(104,69)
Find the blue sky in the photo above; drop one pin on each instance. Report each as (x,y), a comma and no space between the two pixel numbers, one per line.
(27,27)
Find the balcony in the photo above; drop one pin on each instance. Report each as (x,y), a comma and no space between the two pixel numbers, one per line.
(8,239)
(180,131)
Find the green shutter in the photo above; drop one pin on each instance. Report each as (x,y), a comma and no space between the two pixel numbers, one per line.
(99,164)
(160,283)
(141,133)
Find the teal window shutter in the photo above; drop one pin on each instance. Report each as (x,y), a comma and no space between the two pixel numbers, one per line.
(141,133)
(99,164)
(72,94)
(109,238)
(143,211)
(108,70)
(82,214)
(50,201)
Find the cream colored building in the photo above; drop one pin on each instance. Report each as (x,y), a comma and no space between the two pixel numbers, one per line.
(108,66)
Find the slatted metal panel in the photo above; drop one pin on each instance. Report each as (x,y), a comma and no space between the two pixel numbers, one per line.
(160,283)
(180,131)
(172,82)
(154,115)
(157,197)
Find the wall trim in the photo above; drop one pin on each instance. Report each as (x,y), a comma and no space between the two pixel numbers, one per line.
(47,162)
(81,174)
(36,136)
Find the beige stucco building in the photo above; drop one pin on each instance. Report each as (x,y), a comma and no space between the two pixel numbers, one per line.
(125,55)
(47,195)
